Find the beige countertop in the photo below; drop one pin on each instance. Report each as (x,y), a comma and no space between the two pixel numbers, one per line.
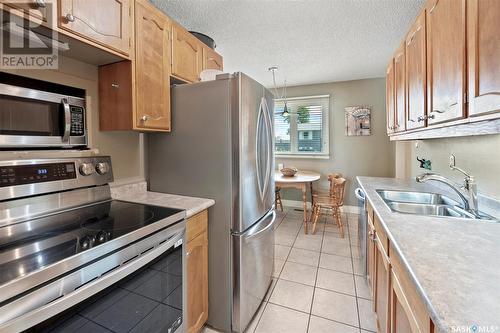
(137,192)
(453,262)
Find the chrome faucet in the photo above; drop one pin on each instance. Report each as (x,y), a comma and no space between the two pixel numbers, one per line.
(469,187)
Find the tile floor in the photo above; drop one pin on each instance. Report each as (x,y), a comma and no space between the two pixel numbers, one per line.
(316,287)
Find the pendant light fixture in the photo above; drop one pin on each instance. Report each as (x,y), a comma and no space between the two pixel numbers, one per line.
(285,112)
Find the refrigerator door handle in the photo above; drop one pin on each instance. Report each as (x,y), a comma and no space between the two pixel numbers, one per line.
(263,179)
(256,233)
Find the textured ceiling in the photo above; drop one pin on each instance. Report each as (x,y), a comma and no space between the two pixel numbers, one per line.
(312,41)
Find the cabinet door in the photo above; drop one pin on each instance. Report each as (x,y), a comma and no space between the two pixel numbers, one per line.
(445,60)
(382,280)
(416,106)
(106,22)
(389,97)
(211,59)
(186,55)
(197,282)
(483,56)
(38,11)
(370,256)
(152,68)
(402,318)
(399,90)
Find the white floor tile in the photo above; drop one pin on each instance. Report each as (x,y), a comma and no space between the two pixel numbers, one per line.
(336,281)
(335,306)
(299,273)
(362,289)
(305,257)
(335,262)
(321,325)
(293,295)
(281,251)
(278,319)
(278,267)
(366,315)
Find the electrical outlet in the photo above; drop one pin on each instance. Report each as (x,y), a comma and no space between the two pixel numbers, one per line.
(452,160)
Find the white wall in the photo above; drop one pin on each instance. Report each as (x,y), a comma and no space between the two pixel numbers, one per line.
(478,155)
(355,155)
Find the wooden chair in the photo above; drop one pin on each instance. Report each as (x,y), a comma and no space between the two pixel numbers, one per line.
(277,198)
(333,200)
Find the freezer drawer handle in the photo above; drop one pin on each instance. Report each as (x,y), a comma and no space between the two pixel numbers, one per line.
(270,225)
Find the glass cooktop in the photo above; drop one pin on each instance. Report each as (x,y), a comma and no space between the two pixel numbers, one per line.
(29,246)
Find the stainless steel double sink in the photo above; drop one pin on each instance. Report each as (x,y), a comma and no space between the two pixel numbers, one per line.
(426,203)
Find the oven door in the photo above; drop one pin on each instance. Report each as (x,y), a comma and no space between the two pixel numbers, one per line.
(140,288)
(34,118)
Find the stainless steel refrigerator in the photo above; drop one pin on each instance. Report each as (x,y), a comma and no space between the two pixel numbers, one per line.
(221,147)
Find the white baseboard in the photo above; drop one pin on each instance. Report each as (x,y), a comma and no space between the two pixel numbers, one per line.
(300,204)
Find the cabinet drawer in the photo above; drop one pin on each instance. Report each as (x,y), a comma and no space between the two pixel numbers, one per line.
(196,225)
(408,296)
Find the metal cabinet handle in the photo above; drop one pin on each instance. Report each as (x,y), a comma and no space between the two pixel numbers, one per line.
(188,253)
(70,17)
(147,117)
(40,3)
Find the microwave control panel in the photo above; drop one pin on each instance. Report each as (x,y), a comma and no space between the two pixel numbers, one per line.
(36,173)
(77,121)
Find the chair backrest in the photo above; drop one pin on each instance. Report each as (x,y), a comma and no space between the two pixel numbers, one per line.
(337,190)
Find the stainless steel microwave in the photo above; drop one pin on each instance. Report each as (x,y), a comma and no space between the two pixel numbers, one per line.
(38,114)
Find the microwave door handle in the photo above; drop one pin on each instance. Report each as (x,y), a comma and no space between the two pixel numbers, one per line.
(67,120)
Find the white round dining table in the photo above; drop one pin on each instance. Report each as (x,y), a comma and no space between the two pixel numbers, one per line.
(300,181)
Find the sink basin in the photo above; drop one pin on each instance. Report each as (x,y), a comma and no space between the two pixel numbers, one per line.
(416,197)
(426,203)
(424,209)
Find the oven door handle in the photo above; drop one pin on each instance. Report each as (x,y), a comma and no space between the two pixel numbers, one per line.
(67,120)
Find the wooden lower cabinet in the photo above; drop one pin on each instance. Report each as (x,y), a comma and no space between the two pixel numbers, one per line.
(197,271)
(382,283)
(370,255)
(397,304)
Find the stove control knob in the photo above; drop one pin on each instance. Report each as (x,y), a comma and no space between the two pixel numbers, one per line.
(86,169)
(101,236)
(102,168)
(86,243)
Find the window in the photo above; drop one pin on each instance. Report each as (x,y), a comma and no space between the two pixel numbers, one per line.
(304,131)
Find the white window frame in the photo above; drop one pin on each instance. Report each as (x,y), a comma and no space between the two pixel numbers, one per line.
(294,133)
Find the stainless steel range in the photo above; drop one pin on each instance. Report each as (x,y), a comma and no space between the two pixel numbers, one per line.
(71,258)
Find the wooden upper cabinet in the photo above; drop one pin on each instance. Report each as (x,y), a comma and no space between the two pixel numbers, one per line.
(399,90)
(446,84)
(483,56)
(186,55)
(211,59)
(152,79)
(105,22)
(390,97)
(416,106)
(38,11)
